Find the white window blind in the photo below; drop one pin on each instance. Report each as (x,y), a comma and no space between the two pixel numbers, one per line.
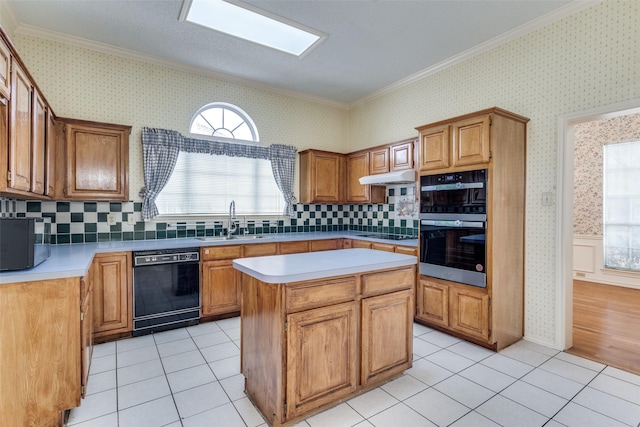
(204,184)
(622,206)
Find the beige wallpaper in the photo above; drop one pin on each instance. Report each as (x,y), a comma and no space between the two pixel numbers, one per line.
(588,184)
(587,60)
(89,85)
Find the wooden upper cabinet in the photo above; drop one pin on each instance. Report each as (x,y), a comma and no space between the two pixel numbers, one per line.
(359,165)
(434,148)
(20,130)
(321,177)
(39,153)
(5,70)
(379,161)
(50,155)
(471,141)
(97,160)
(401,156)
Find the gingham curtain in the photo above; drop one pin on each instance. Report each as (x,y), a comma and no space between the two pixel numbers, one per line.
(160,148)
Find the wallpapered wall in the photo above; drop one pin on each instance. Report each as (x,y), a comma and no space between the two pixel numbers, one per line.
(583,61)
(587,194)
(90,85)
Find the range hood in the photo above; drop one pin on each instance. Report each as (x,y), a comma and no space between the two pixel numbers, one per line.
(407,176)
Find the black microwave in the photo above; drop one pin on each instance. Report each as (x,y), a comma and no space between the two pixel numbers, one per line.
(24,242)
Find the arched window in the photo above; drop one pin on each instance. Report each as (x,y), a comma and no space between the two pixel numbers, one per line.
(220,119)
(205,184)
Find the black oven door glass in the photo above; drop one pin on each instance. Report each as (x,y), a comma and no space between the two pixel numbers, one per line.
(164,288)
(455,247)
(454,193)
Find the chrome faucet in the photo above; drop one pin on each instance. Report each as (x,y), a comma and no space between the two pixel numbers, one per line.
(232,215)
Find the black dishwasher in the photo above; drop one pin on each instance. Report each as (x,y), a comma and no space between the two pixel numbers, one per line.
(166,289)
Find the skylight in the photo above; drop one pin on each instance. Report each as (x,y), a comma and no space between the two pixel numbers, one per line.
(249,23)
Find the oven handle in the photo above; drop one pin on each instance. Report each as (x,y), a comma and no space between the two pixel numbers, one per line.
(454,223)
(455,186)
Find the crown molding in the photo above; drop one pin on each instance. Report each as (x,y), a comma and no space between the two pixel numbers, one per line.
(550,18)
(32,31)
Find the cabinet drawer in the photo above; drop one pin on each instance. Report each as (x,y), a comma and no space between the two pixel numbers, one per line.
(325,245)
(387,281)
(319,294)
(221,252)
(387,247)
(261,249)
(407,250)
(294,247)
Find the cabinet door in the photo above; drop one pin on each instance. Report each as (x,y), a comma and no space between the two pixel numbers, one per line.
(379,161)
(112,293)
(321,357)
(5,70)
(321,177)
(220,288)
(434,148)
(50,157)
(433,302)
(39,132)
(387,338)
(20,131)
(357,166)
(470,312)
(471,141)
(86,337)
(97,162)
(402,156)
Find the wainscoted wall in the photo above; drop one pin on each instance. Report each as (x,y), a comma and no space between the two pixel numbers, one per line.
(590,137)
(87,222)
(588,264)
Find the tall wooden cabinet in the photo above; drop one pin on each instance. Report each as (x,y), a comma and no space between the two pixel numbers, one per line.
(46,349)
(111,278)
(492,139)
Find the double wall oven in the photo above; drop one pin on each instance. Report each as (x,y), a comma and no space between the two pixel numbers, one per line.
(453,224)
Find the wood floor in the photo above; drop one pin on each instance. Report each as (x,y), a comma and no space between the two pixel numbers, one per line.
(606,324)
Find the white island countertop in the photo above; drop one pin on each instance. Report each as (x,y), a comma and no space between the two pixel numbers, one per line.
(318,265)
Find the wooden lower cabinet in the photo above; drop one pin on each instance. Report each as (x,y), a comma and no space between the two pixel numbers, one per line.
(387,335)
(470,313)
(42,345)
(321,357)
(86,333)
(458,308)
(308,345)
(220,288)
(111,276)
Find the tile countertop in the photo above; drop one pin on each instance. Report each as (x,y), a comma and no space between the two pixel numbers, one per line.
(74,260)
(319,265)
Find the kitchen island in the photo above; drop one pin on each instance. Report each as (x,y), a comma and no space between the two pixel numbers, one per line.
(318,328)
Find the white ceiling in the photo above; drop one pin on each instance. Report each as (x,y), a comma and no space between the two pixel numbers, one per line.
(371,45)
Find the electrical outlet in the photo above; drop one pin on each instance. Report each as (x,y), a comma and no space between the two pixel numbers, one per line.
(131,219)
(547,199)
(111,219)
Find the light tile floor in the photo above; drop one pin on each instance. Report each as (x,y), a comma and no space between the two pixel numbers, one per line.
(191,377)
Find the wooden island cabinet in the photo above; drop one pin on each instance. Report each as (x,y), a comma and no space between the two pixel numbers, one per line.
(312,336)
